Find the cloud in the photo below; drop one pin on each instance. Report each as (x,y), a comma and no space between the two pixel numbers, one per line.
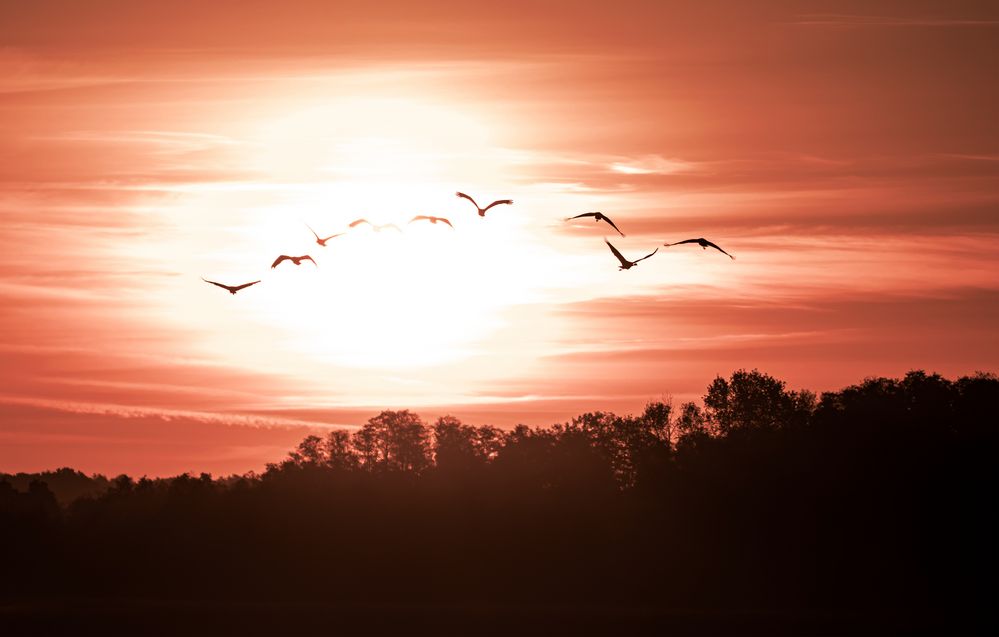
(651,165)
(168,142)
(136,412)
(841,20)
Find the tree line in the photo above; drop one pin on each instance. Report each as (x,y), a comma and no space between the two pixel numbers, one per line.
(878,500)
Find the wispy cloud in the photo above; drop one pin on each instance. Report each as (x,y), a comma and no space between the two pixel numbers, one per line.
(160,141)
(130,411)
(651,165)
(842,20)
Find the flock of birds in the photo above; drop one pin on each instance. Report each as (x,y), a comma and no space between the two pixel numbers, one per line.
(625,264)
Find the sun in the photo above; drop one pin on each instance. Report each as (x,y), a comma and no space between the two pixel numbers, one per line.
(419,297)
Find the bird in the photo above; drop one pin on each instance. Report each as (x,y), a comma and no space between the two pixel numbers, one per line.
(598,216)
(232,288)
(626,264)
(431,219)
(482,211)
(321,241)
(295,260)
(374,226)
(704,243)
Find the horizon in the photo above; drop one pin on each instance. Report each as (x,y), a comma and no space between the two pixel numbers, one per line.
(847,158)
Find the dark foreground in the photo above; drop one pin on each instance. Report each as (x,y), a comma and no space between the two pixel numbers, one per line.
(144,617)
(872,510)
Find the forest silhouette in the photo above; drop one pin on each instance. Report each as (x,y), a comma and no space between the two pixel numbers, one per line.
(764,510)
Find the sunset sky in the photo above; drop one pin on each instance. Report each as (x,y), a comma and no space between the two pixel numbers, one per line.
(847,153)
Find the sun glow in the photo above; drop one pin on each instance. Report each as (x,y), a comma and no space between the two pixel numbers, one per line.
(424,295)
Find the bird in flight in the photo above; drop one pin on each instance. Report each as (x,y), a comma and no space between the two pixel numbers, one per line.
(295,260)
(598,216)
(320,240)
(482,211)
(232,288)
(626,264)
(374,226)
(431,219)
(704,243)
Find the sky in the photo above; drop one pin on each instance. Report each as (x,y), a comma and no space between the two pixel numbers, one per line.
(847,154)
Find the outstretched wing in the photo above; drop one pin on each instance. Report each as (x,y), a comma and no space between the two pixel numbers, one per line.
(678,243)
(283,257)
(497,203)
(647,256)
(617,254)
(464,196)
(420,218)
(309,258)
(359,222)
(608,220)
(224,287)
(447,221)
(332,236)
(312,231)
(585,214)
(245,285)
(718,249)
(389,225)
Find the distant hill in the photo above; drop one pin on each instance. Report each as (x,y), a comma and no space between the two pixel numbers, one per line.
(65,484)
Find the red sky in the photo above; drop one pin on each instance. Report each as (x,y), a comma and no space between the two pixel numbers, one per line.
(847,153)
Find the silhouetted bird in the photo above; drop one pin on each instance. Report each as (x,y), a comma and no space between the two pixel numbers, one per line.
(482,211)
(598,216)
(431,219)
(375,227)
(704,243)
(626,264)
(322,241)
(231,288)
(295,260)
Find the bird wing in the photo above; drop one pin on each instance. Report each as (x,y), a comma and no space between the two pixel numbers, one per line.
(303,258)
(359,222)
(680,242)
(245,285)
(608,220)
(419,218)
(585,214)
(332,236)
(718,249)
(389,225)
(447,221)
(498,202)
(617,254)
(312,231)
(647,256)
(464,196)
(223,286)
(283,257)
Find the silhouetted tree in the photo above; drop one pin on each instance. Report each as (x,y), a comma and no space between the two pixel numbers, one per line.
(395,441)
(311,452)
(461,448)
(754,401)
(877,504)
(691,424)
(339,451)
